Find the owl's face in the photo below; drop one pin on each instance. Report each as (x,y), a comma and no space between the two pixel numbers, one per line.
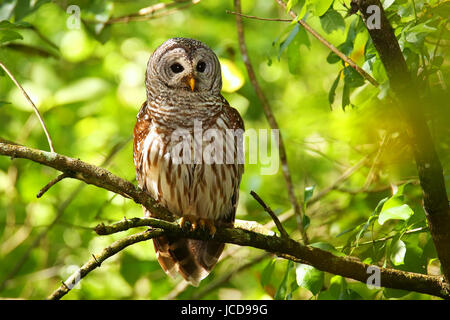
(187,65)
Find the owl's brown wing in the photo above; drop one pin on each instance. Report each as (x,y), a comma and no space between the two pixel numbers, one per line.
(236,123)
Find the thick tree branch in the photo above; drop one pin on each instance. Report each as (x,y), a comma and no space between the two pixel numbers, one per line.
(88,173)
(345,266)
(411,106)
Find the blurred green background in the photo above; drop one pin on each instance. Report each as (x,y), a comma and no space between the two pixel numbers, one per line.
(88,83)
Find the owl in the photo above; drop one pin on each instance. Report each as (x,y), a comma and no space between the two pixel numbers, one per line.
(188,152)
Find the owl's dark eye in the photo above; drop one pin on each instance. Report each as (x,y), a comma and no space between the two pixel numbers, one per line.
(176,68)
(201,66)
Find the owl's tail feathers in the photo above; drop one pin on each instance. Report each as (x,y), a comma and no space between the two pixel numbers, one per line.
(192,259)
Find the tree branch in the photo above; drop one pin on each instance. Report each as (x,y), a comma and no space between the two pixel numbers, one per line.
(272,214)
(88,173)
(36,110)
(341,55)
(150,12)
(411,105)
(349,267)
(97,260)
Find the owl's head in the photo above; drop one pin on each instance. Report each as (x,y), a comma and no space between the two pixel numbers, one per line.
(185,64)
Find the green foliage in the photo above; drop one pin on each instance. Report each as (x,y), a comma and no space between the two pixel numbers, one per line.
(331,21)
(309,278)
(88,83)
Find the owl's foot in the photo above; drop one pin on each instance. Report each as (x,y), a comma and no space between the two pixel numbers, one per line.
(208,225)
(193,223)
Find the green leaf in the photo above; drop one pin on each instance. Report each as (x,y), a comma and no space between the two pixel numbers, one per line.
(414,260)
(321,6)
(346,48)
(309,278)
(290,4)
(331,21)
(352,77)
(295,39)
(5,24)
(9,35)
(293,58)
(288,40)
(306,221)
(402,212)
(345,96)
(266,275)
(24,8)
(387,3)
(7,8)
(332,92)
(282,289)
(308,193)
(293,286)
(398,251)
(416,35)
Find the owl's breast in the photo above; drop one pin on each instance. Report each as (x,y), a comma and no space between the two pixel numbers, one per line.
(192,173)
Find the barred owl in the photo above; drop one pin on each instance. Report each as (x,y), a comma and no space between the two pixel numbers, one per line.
(188,152)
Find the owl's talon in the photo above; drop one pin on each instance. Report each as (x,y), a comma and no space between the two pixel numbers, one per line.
(192,223)
(208,226)
(186,223)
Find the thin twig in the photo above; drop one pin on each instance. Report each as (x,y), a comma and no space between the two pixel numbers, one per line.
(341,55)
(32,104)
(271,213)
(257,18)
(96,261)
(148,13)
(52,183)
(271,119)
(339,180)
(412,231)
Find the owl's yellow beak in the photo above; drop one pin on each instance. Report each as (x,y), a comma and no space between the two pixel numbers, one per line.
(191,82)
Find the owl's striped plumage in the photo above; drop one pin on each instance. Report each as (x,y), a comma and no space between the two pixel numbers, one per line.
(183,83)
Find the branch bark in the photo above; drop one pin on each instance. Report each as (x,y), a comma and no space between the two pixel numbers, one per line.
(349,267)
(88,173)
(411,105)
